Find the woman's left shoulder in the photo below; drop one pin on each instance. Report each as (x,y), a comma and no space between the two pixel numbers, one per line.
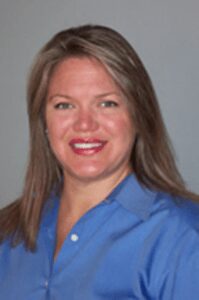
(178,211)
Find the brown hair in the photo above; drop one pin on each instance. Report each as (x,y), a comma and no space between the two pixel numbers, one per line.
(152,159)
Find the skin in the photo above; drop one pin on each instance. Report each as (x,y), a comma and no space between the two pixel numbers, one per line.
(83,102)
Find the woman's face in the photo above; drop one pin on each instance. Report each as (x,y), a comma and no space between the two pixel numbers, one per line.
(89,127)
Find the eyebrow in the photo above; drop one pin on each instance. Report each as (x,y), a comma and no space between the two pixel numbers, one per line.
(71,98)
(107,94)
(60,96)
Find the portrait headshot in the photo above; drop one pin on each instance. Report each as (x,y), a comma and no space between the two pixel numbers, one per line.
(99,189)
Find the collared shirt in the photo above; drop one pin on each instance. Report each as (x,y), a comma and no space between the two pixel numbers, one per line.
(136,244)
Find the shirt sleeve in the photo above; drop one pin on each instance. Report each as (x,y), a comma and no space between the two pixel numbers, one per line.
(181,279)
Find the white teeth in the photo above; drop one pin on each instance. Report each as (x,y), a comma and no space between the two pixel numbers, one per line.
(86,145)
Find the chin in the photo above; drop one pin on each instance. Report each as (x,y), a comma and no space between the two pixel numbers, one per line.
(89,176)
(86,175)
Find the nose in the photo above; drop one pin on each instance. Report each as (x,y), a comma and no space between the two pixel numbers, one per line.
(86,121)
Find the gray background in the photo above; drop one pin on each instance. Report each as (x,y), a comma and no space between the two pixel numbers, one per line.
(164,33)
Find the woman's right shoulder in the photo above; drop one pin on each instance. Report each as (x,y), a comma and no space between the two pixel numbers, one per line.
(9,220)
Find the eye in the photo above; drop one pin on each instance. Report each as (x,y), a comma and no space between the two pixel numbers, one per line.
(63,105)
(108,103)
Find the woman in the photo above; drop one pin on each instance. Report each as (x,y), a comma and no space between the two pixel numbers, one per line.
(103,213)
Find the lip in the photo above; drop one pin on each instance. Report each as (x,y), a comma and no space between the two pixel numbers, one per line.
(87,146)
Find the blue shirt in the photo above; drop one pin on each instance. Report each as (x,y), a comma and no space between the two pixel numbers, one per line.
(136,244)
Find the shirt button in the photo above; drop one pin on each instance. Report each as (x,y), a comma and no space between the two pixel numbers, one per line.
(46,283)
(74,237)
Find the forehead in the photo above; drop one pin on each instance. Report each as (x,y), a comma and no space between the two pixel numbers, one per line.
(81,70)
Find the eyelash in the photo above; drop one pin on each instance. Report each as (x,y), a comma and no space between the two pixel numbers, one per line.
(108,103)
(63,105)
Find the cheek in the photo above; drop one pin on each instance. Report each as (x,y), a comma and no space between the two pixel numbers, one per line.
(125,133)
(121,127)
(57,127)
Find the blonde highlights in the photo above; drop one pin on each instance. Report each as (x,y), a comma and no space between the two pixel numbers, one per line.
(152,156)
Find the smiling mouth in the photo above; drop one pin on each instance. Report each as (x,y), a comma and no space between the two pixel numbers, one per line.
(87,147)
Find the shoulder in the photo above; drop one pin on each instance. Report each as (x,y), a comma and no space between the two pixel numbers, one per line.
(174,226)
(163,238)
(9,220)
(156,207)
(175,250)
(177,211)
(170,227)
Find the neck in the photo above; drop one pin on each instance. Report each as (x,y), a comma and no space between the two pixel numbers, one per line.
(80,196)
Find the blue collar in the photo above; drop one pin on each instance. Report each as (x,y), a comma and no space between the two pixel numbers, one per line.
(129,193)
(134,197)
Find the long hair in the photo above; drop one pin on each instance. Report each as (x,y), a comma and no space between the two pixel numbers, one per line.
(152,158)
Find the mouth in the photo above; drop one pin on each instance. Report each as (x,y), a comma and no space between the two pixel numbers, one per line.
(87,146)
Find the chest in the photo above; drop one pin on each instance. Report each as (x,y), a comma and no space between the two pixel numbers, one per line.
(104,256)
(87,272)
